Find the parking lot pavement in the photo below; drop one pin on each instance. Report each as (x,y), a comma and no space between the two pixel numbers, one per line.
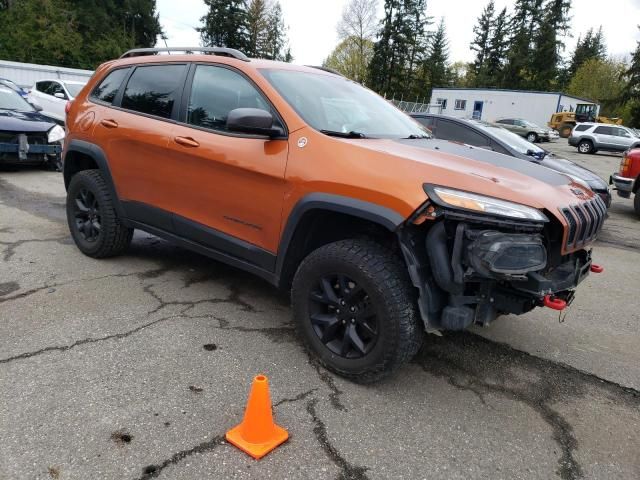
(134,368)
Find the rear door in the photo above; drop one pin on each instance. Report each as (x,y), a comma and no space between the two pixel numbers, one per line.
(134,132)
(228,187)
(604,137)
(622,138)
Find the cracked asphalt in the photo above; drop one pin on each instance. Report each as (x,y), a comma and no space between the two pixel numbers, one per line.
(134,368)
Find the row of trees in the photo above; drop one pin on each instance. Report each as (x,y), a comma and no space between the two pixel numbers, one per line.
(398,56)
(403,56)
(85,33)
(255,27)
(75,33)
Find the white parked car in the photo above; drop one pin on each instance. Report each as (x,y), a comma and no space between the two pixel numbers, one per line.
(53,95)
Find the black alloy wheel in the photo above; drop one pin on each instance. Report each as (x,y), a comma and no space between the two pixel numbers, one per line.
(342,316)
(87,215)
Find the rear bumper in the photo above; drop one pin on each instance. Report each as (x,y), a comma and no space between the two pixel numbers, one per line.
(623,185)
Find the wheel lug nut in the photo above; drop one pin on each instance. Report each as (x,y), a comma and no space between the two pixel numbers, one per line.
(337,310)
(353,320)
(353,309)
(344,321)
(342,302)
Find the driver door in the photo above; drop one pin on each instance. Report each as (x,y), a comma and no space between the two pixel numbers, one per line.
(228,187)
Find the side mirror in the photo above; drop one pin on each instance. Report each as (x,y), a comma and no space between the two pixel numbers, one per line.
(60,95)
(253,121)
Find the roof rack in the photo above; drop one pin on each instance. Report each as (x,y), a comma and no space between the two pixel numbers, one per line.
(222,51)
(325,69)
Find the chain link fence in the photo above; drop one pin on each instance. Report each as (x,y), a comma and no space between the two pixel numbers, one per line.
(416,107)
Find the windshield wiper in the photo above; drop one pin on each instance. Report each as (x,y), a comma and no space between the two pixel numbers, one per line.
(416,137)
(351,134)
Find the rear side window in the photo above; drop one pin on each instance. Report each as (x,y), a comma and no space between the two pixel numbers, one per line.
(107,90)
(604,130)
(448,130)
(620,132)
(428,122)
(43,86)
(154,89)
(582,128)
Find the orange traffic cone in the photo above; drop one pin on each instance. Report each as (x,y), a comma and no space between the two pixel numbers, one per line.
(257,435)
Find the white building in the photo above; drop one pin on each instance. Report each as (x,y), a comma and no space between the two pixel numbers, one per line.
(492,104)
(26,74)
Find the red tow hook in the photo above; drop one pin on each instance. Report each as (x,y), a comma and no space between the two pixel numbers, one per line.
(554,303)
(597,268)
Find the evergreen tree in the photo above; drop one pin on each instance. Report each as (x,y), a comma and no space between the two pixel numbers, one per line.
(590,46)
(481,43)
(276,34)
(522,25)
(257,25)
(631,93)
(400,49)
(498,45)
(75,33)
(551,26)
(437,62)
(225,24)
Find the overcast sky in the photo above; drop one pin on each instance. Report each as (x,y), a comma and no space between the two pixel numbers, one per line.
(312,24)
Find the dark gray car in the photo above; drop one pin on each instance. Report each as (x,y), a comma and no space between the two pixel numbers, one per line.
(488,136)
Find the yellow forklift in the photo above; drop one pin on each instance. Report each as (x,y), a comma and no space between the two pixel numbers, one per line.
(564,122)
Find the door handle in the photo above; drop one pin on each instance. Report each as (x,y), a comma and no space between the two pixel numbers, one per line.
(186,142)
(109,123)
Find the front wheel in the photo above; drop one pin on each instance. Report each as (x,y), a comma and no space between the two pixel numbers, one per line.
(92,218)
(532,137)
(585,146)
(356,310)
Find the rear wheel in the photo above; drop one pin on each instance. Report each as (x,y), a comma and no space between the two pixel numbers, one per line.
(356,310)
(565,130)
(585,146)
(92,218)
(636,202)
(532,137)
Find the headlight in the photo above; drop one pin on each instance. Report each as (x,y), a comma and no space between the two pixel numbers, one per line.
(55,134)
(449,197)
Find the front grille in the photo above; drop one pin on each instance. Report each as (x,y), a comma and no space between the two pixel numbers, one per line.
(585,221)
(33,138)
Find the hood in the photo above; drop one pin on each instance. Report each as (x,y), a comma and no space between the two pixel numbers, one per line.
(566,166)
(27,122)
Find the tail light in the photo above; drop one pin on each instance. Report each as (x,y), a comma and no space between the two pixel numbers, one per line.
(67,107)
(625,163)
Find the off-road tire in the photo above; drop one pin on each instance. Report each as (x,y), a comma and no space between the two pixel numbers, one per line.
(113,238)
(532,137)
(585,146)
(384,277)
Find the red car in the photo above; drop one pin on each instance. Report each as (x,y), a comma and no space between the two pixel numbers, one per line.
(627,180)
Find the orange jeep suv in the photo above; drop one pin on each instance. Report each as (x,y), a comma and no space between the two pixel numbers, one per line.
(323,188)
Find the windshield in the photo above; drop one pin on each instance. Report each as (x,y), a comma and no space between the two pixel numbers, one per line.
(335,104)
(74,88)
(10,100)
(516,142)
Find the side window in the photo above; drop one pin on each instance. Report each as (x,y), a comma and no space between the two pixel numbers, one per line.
(442,102)
(154,89)
(505,122)
(499,148)
(604,130)
(216,91)
(43,86)
(448,130)
(460,105)
(108,88)
(619,132)
(428,122)
(582,128)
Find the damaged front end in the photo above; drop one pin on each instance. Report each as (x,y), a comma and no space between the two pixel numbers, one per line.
(471,267)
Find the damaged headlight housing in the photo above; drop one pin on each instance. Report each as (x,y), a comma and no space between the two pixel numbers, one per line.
(56,134)
(459,199)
